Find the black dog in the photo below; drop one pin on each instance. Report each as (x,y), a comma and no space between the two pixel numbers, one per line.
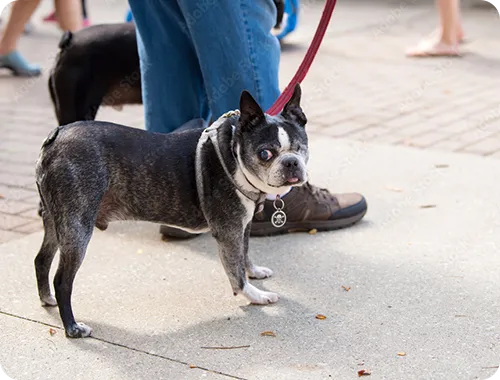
(91,173)
(98,66)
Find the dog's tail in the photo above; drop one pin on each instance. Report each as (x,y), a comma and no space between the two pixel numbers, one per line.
(51,137)
(65,40)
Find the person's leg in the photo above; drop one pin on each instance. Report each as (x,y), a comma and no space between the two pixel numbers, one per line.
(460,30)
(21,12)
(172,84)
(449,16)
(448,37)
(242,54)
(51,17)
(69,14)
(236,50)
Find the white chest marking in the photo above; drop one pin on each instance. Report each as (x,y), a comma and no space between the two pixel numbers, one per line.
(247,203)
(284,139)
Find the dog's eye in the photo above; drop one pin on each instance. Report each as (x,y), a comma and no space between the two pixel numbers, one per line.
(265,155)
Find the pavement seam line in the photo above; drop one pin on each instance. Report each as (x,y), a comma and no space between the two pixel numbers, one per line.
(5,313)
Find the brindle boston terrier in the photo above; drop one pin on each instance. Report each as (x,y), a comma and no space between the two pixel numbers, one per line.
(90,173)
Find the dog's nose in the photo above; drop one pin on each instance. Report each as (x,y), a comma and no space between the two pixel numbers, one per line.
(291,163)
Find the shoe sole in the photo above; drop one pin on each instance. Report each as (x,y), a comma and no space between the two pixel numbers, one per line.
(18,74)
(267,229)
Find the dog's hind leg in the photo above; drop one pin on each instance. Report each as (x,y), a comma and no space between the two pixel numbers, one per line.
(91,96)
(73,96)
(73,239)
(63,92)
(53,95)
(44,260)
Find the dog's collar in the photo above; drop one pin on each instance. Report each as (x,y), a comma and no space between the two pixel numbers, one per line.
(255,196)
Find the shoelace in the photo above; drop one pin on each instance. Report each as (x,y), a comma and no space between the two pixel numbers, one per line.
(320,194)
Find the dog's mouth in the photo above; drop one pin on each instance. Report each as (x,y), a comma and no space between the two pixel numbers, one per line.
(293,181)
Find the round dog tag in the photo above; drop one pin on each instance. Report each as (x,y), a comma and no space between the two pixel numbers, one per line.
(278,219)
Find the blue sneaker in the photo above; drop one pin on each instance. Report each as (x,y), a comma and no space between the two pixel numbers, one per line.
(18,65)
(128,16)
(291,11)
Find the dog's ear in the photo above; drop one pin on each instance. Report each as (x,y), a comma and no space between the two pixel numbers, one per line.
(292,110)
(250,112)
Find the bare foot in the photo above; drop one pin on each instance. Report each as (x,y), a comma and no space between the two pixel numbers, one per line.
(438,33)
(434,49)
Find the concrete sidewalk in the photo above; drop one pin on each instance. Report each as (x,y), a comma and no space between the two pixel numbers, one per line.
(421,273)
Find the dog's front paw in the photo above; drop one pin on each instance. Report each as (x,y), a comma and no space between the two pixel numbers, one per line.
(259,297)
(48,301)
(79,330)
(259,272)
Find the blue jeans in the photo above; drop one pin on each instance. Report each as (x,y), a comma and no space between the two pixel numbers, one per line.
(197,56)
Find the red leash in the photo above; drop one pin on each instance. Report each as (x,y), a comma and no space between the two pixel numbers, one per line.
(307,61)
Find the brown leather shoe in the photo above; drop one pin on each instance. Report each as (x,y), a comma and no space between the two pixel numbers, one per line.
(308,207)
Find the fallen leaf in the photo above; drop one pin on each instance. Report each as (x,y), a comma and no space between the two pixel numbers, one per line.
(346,288)
(363,372)
(460,316)
(427,206)
(401,353)
(396,189)
(1,196)
(52,332)
(320,316)
(314,231)
(441,166)
(268,333)
(192,366)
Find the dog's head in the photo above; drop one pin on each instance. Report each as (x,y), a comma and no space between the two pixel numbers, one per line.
(272,150)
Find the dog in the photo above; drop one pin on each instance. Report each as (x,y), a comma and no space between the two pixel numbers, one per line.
(90,173)
(99,66)
(95,66)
